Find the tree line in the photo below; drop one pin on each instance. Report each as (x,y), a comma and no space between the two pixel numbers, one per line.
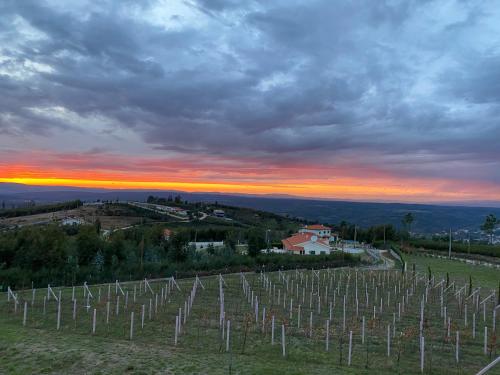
(32,210)
(74,254)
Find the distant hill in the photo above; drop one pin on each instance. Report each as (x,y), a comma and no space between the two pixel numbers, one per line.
(428,218)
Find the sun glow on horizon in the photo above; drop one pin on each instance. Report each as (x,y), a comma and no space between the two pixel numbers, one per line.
(350,189)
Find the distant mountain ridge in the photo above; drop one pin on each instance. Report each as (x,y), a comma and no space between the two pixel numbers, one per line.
(428,218)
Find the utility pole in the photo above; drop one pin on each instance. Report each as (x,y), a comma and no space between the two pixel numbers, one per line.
(468,245)
(449,246)
(267,239)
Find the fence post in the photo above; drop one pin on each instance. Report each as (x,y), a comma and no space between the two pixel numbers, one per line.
(25,314)
(93,321)
(283,339)
(131,325)
(350,349)
(227,334)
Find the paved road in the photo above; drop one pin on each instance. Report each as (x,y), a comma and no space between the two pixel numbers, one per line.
(380,255)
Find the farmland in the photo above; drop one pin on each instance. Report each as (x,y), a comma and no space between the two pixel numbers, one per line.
(242,307)
(116,217)
(485,276)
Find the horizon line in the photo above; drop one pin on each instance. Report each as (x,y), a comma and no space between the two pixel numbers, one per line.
(104,189)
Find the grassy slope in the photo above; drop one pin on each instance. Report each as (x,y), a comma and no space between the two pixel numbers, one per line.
(23,351)
(486,276)
(39,348)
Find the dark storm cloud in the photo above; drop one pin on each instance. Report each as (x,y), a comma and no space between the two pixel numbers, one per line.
(385,83)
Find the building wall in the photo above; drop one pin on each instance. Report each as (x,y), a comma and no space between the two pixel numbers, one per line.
(319,233)
(204,245)
(315,248)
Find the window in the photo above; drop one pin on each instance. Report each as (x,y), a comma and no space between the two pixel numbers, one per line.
(312,252)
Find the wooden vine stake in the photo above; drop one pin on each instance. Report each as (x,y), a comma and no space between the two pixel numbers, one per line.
(131,325)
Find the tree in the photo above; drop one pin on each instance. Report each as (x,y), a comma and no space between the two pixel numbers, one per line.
(230,239)
(97,225)
(408,220)
(178,250)
(141,250)
(489,226)
(256,242)
(211,249)
(88,244)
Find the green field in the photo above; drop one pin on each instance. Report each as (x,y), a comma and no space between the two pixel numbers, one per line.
(40,348)
(487,277)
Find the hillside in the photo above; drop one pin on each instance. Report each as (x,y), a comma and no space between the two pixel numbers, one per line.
(428,218)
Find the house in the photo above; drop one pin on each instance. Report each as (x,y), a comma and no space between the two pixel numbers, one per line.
(320,231)
(306,243)
(171,210)
(219,213)
(70,220)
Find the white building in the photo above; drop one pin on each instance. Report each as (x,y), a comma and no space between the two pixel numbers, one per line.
(274,250)
(320,231)
(219,213)
(306,243)
(205,244)
(72,221)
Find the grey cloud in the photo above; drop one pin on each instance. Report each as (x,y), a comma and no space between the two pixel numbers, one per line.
(284,79)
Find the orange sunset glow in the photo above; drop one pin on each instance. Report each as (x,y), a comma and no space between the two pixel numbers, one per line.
(171,99)
(290,182)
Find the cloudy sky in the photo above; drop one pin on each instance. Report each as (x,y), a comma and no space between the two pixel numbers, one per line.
(364,100)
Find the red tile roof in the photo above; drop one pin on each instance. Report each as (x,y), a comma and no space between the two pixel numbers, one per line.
(293,243)
(317,227)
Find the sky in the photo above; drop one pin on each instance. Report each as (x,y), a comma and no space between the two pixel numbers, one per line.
(358,100)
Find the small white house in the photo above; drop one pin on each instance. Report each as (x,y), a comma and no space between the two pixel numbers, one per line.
(320,231)
(219,213)
(71,221)
(306,243)
(317,229)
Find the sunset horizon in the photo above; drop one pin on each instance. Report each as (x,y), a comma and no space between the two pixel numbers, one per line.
(277,190)
(379,106)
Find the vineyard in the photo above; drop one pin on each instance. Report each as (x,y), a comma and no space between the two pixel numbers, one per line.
(353,320)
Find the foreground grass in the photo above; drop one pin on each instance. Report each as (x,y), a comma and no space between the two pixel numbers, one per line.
(39,348)
(485,276)
(42,351)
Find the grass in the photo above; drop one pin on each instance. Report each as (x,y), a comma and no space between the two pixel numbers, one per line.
(40,348)
(457,247)
(486,276)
